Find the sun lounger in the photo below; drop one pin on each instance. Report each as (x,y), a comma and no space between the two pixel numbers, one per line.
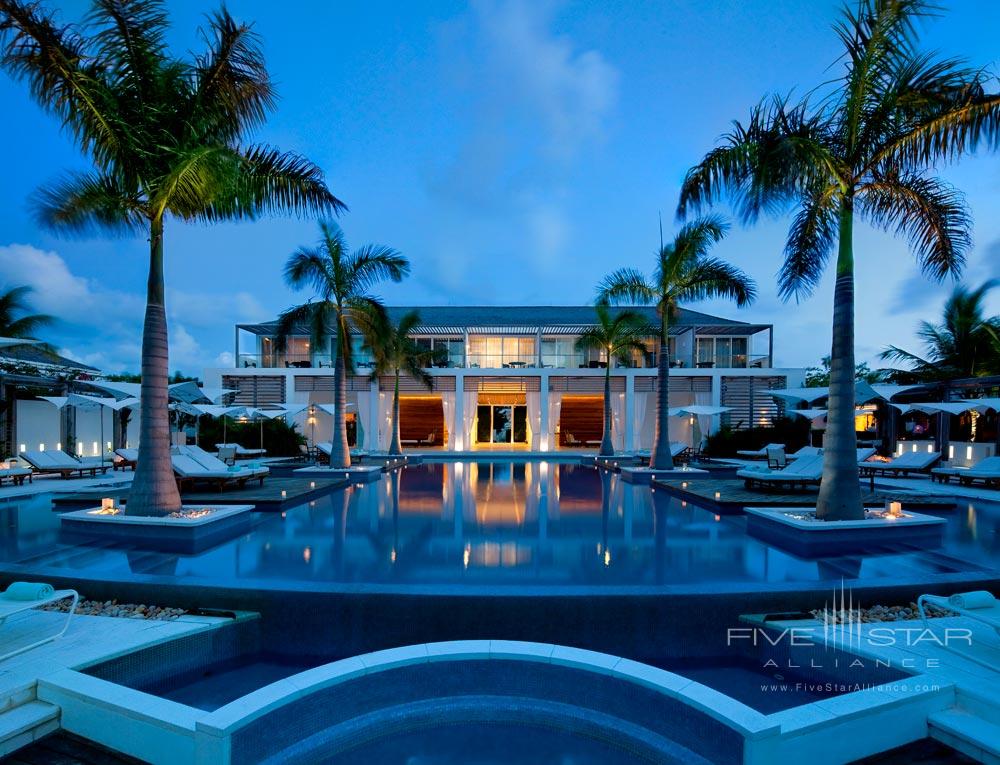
(986,470)
(242,453)
(776,459)
(62,463)
(904,464)
(805,451)
(24,596)
(757,454)
(979,605)
(192,465)
(125,459)
(11,471)
(807,471)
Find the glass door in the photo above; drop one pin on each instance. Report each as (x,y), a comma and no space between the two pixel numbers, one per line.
(501,424)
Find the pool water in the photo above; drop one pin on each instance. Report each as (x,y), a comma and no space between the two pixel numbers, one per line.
(493,524)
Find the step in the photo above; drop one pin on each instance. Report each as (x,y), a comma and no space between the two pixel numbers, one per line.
(969,734)
(22,725)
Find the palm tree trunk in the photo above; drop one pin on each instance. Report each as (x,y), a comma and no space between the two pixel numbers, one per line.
(154,489)
(607,446)
(840,492)
(340,451)
(660,458)
(396,447)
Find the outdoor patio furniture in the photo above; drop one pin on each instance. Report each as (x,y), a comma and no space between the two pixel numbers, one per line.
(226,453)
(125,458)
(193,465)
(776,459)
(805,451)
(429,441)
(758,454)
(979,605)
(570,440)
(986,470)
(62,463)
(24,596)
(804,472)
(903,465)
(242,452)
(11,471)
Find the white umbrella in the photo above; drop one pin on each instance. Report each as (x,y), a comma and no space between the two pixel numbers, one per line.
(216,410)
(694,411)
(88,403)
(279,410)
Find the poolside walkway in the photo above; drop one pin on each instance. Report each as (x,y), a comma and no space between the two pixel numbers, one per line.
(54,484)
(90,639)
(952,651)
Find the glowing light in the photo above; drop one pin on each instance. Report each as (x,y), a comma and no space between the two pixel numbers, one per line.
(96,448)
(23,448)
(684,484)
(968,452)
(41,447)
(392,555)
(718,495)
(607,557)
(307,554)
(951,452)
(58,446)
(718,518)
(466,556)
(284,493)
(312,484)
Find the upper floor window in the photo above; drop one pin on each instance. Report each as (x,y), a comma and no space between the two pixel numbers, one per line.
(728,352)
(497,351)
(445,351)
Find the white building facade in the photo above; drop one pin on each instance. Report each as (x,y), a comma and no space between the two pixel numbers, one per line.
(511,378)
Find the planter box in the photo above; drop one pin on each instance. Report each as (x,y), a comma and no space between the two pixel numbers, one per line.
(161,532)
(809,538)
(644,475)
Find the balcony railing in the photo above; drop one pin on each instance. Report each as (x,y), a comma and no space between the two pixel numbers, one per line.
(498,361)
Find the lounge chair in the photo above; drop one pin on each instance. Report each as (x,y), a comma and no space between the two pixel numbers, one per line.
(24,596)
(227,454)
(805,451)
(807,471)
(757,454)
(429,441)
(570,440)
(904,464)
(192,465)
(125,459)
(242,453)
(776,459)
(979,605)
(986,470)
(65,465)
(11,471)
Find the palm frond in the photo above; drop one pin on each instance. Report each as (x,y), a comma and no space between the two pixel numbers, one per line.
(268,181)
(626,285)
(807,249)
(712,278)
(307,267)
(15,317)
(232,86)
(306,315)
(85,202)
(63,79)
(130,45)
(374,263)
(929,212)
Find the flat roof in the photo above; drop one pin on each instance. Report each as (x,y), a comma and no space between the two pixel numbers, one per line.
(551,319)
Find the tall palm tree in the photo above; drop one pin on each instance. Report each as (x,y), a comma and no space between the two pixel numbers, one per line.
(342,281)
(861,148)
(396,353)
(16,319)
(683,273)
(965,344)
(167,139)
(617,337)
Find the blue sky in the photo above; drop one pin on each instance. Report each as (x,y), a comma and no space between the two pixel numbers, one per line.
(514,150)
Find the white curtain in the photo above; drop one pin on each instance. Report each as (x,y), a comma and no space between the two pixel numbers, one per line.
(555,407)
(470,400)
(680,427)
(448,404)
(618,420)
(362,411)
(533,401)
(384,415)
(639,401)
(704,398)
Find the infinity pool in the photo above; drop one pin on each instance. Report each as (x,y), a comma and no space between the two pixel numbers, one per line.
(492,523)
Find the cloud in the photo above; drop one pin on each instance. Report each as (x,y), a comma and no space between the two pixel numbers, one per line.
(530,105)
(102,326)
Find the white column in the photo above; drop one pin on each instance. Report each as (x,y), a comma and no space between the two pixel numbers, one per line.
(458,442)
(544,437)
(629,409)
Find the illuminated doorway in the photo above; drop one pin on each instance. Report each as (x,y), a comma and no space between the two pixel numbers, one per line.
(502,424)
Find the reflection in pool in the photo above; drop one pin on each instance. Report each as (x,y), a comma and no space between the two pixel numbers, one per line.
(495,523)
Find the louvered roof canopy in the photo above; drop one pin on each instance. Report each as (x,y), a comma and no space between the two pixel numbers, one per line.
(530,320)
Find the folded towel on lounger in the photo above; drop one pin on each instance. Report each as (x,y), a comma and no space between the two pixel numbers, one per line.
(977,599)
(27,591)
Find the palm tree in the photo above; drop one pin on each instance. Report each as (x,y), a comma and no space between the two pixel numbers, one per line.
(342,281)
(965,344)
(167,139)
(395,352)
(862,148)
(16,319)
(618,337)
(683,272)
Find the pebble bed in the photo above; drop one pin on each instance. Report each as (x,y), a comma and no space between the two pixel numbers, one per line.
(120,610)
(878,614)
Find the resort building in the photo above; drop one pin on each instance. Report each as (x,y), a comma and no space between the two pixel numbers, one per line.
(512,378)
